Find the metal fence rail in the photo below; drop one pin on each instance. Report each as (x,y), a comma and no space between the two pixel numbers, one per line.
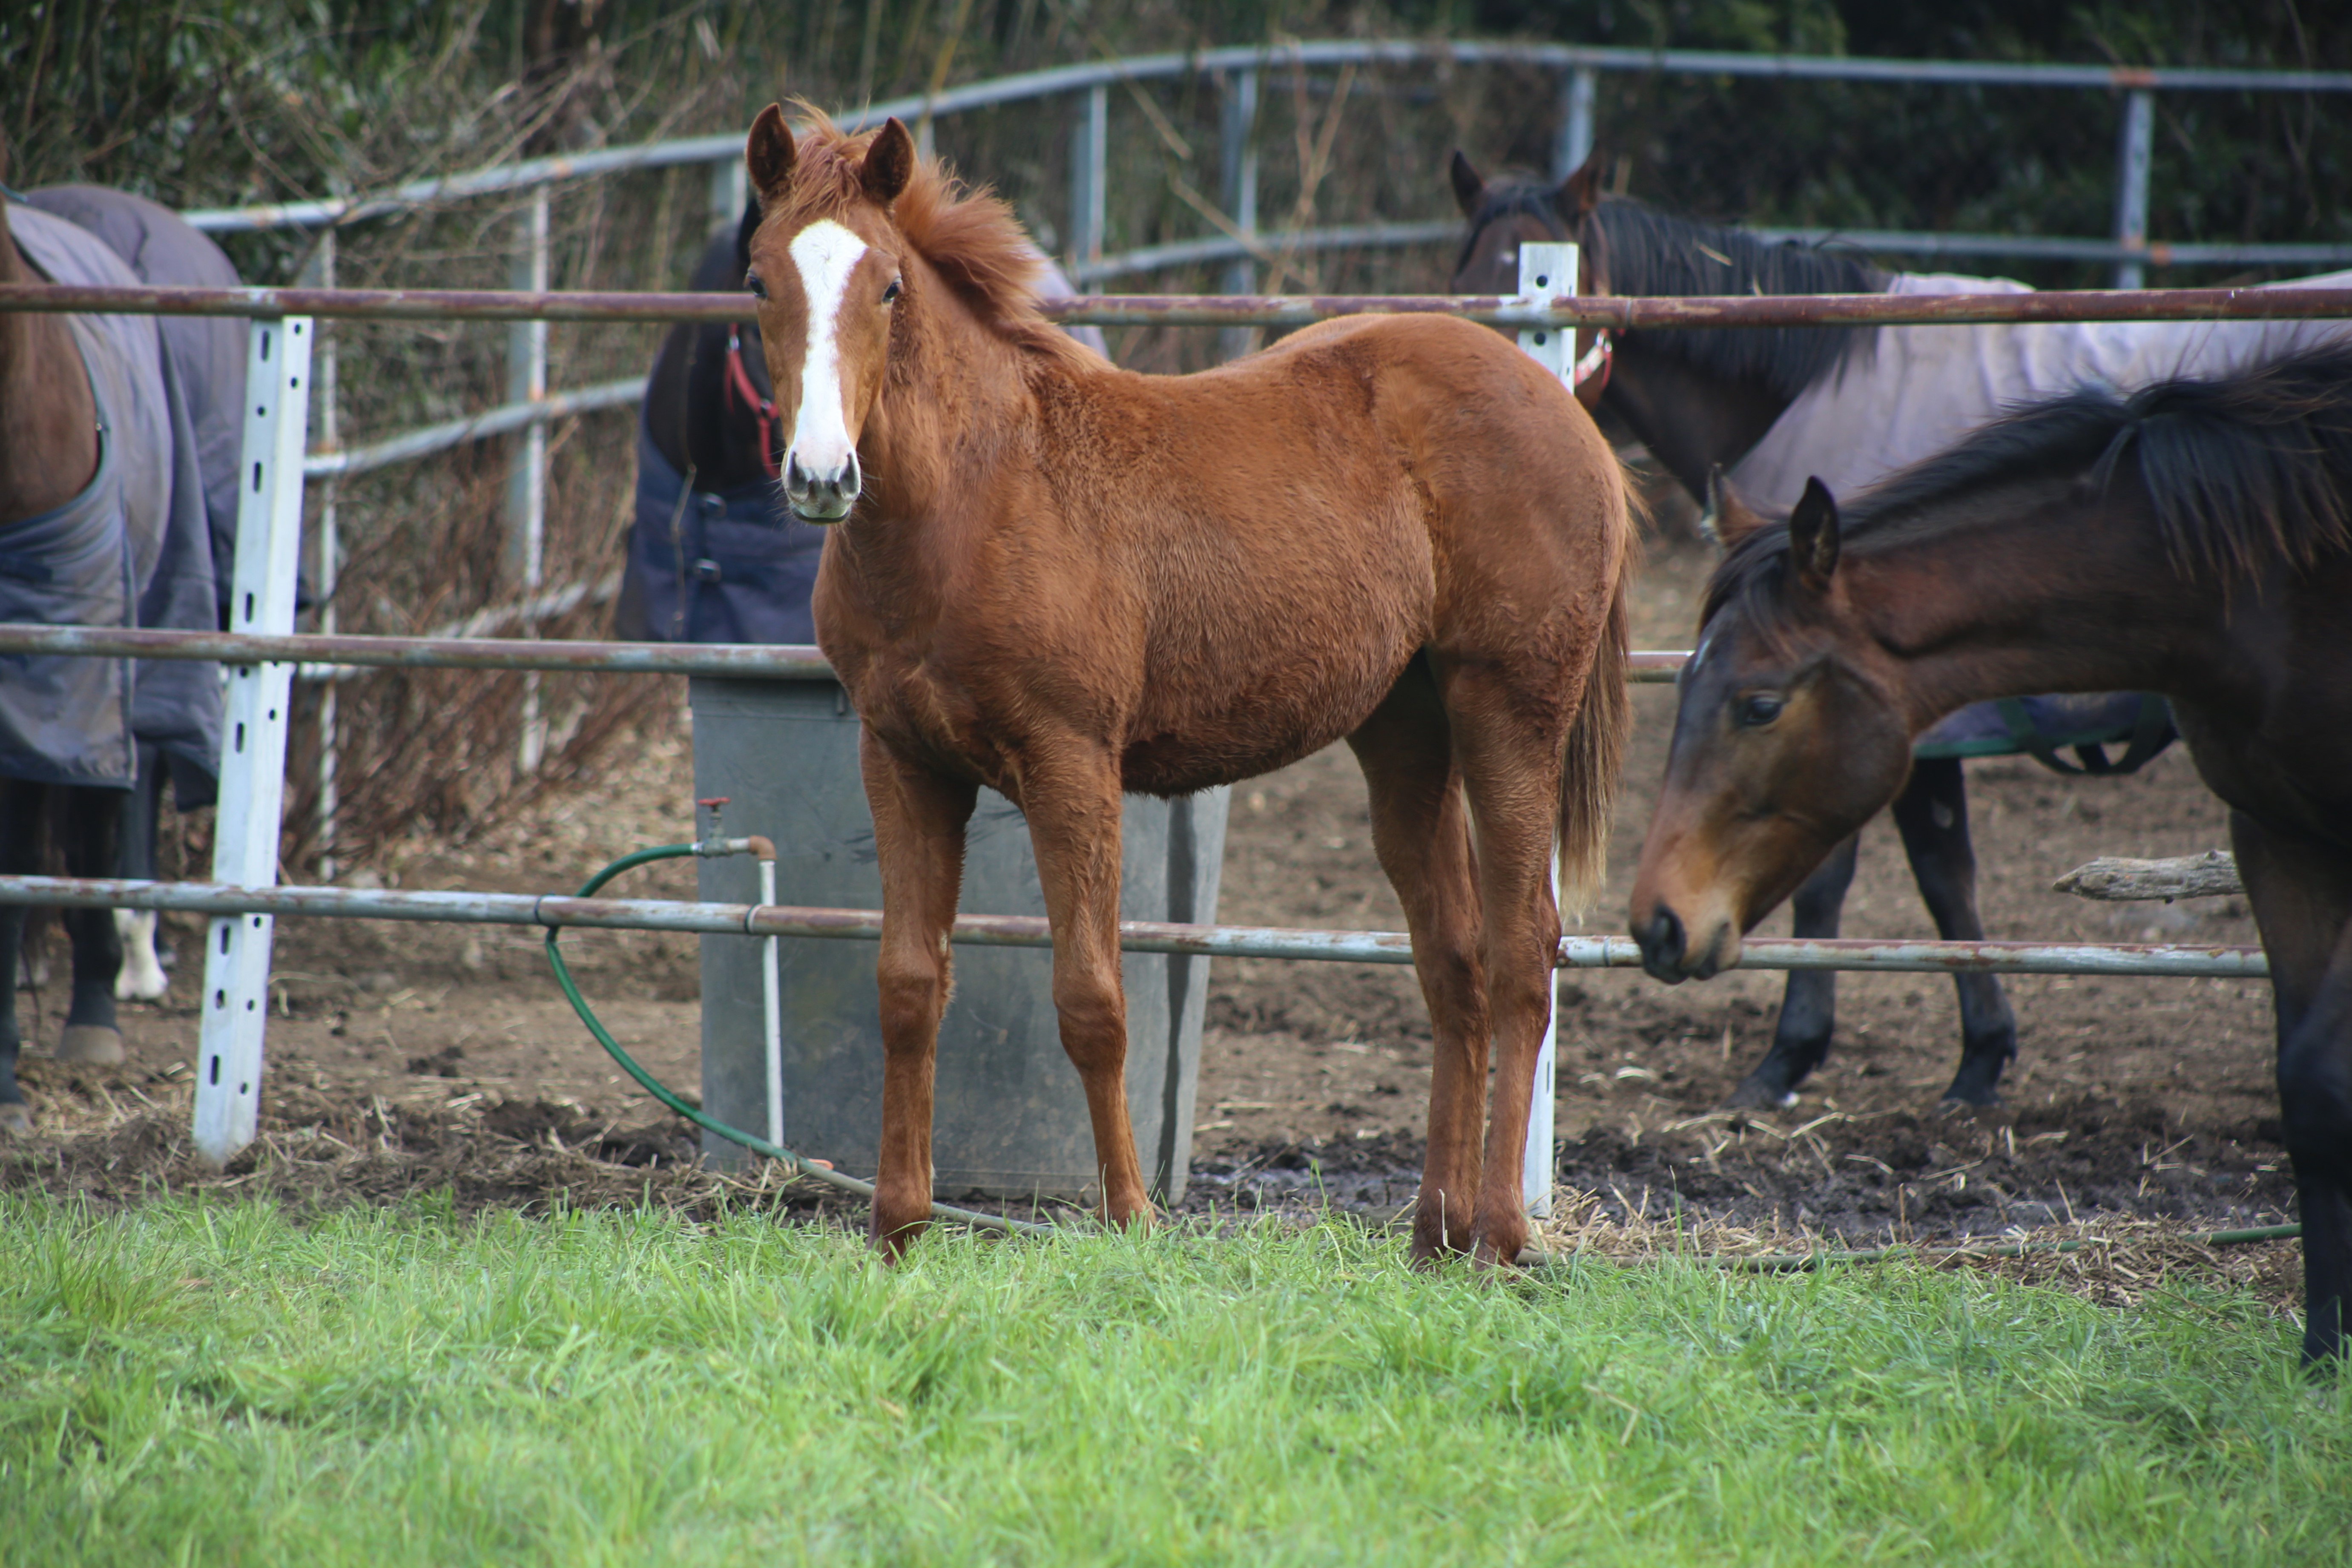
(1569,60)
(776,661)
(1623,313)
(544,910)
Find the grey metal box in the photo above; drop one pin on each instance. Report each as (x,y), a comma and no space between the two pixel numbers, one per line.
(1010,1120)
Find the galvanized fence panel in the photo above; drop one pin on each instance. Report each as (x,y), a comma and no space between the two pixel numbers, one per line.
(265,652)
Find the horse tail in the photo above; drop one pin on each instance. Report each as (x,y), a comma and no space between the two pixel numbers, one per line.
(1596,740)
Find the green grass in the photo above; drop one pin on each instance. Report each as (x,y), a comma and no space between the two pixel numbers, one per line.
(213,1382)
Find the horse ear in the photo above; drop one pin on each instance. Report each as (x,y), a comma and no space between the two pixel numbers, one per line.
(1581,192)
(1728,519)
(889,163)
(1469,184)
(1814,536)
(768,153)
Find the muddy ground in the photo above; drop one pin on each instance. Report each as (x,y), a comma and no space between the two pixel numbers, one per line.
(407,1058)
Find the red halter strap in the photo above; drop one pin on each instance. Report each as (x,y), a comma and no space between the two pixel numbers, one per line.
(764,413)
(1598,361)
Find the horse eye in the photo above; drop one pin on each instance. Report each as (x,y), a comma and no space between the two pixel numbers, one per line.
(1759,709)
(759,289)
(891,293)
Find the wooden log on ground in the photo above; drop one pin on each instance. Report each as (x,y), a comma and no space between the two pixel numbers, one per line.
(2114,878)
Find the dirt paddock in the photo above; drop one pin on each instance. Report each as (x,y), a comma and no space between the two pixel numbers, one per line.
(407,1057)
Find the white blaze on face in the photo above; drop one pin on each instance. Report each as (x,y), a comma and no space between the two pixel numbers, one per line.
(826,253)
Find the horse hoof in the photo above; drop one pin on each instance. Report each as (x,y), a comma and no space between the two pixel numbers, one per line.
(1754,1096)
(92,1044)
(129,987)
(1488,1260)
(16,1121)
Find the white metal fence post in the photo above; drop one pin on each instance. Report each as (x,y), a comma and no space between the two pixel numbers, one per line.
(1546,270)
(527,470)
(2131,185)
(253,738)
(321,271)
(1575,143)
(1237,163)
(1089,181)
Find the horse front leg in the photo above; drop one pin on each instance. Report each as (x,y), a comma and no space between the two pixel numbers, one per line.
(1932,814)
(1070,794)
(2300,893)
(20,855)
(919,832)
(91,828)
(1800,1040)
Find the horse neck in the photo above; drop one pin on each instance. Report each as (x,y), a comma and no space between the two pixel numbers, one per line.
(48,424)
(950,375)
(1695,417)
(2068,596)
(1692,421)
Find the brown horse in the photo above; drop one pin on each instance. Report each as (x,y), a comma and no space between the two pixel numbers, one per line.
(49,458)
(1065,582)
(2194,539)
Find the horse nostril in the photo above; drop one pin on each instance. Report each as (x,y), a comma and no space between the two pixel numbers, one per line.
(1662,942)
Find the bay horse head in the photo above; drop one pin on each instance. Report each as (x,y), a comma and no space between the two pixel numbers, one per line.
(1789,736)
(1509,214)
(827,266)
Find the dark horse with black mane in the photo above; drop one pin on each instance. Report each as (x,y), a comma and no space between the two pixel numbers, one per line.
(2194,539)
(1774,406)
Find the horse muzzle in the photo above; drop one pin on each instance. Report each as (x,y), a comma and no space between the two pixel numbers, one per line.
(821,497)
(1668,953)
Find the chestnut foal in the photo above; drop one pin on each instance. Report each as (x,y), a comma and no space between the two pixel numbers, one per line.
(1065,582)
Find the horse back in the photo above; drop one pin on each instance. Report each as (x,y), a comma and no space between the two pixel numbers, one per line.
(1225,572)
(206,353)
(148,541)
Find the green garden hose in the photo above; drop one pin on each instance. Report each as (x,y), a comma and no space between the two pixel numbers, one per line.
(798,1165)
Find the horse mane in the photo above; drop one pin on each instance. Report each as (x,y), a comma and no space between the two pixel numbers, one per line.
(969,236)
(2243,471)
(1652,252)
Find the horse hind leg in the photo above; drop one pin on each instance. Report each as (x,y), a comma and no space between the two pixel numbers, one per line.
(2302,897)
(142,977)
(1800,1040)
(1932,814)
(1509,743)
(92,823)
(1423,838)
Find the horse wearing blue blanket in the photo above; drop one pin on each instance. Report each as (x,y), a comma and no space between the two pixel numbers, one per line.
(118,450)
